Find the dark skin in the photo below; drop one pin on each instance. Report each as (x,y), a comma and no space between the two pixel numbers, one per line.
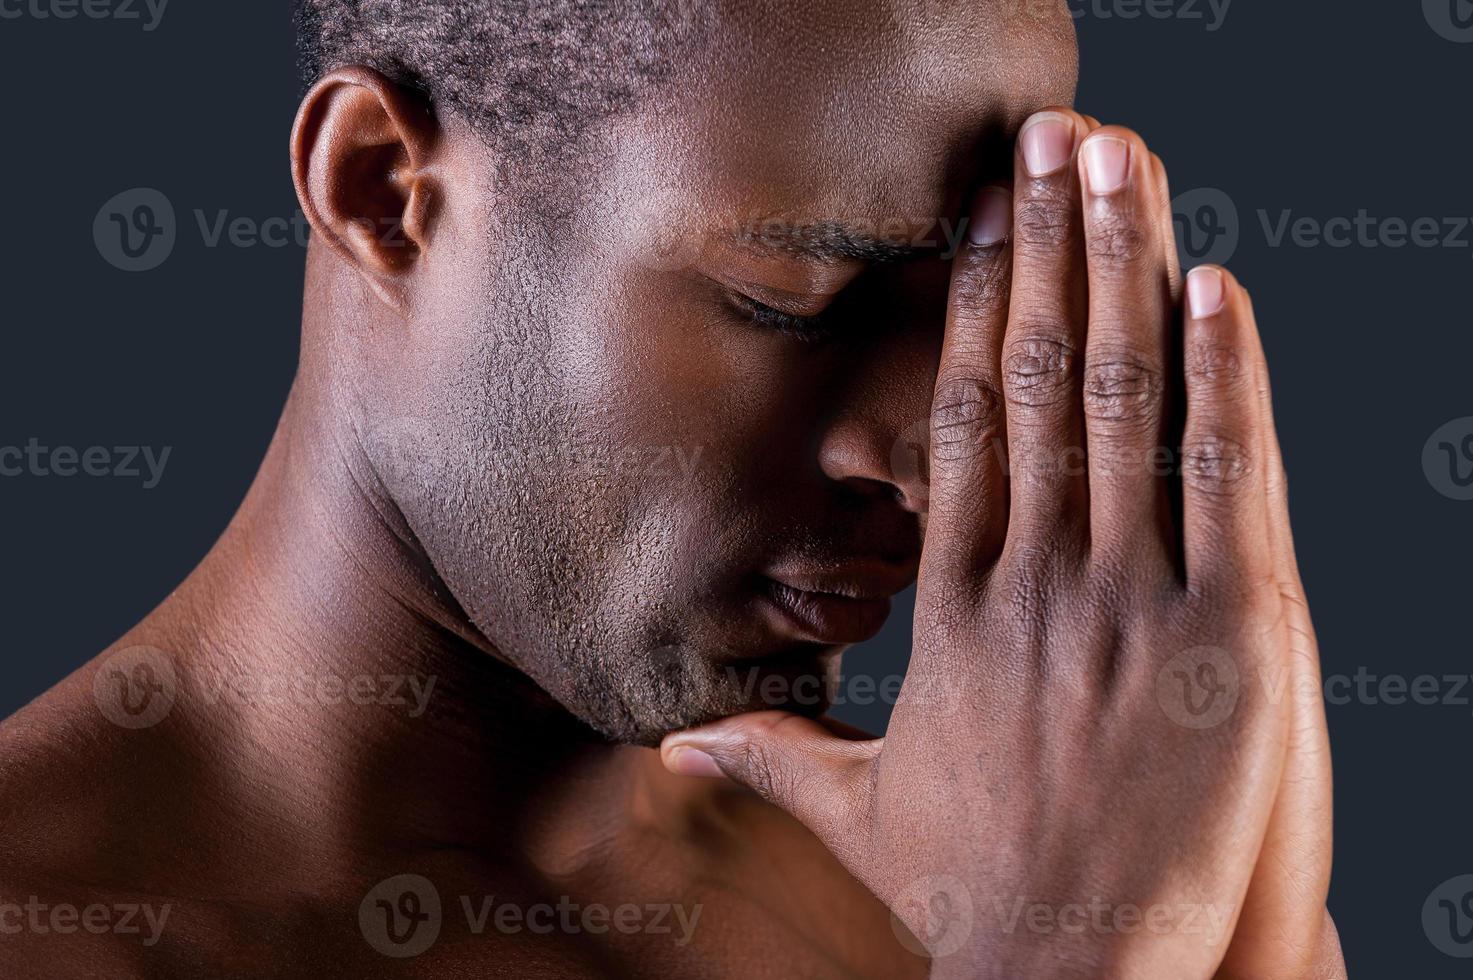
(372,546)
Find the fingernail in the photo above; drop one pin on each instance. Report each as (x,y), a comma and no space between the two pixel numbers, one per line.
(1205,293)
(1048,143)
(992,217)
(686,761)
(1106,164)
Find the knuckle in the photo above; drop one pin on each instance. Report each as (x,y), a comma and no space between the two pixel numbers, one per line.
(763,773)
(1038,369)
(965,413)
(1022,609)
(1027,609)
(945,616)
(1117,239)
(1215,465)
(981,292)
(1116,582)
(1046,220)
(1223,601)
(1028,579)
(1214,366)
(1122,387)
(1030,570)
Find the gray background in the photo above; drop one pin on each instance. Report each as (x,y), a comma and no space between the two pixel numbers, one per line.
(1316,107)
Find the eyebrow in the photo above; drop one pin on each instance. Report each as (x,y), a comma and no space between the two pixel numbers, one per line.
(827,241)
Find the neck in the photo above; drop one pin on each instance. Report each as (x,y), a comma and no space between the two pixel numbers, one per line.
(322,656)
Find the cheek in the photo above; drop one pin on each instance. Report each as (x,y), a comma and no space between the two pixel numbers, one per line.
(671,371)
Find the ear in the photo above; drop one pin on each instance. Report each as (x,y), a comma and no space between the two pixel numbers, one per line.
(361,151)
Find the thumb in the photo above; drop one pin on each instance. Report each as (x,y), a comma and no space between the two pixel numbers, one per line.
(789,760)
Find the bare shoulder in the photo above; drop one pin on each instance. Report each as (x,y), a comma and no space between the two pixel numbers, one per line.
(56,794)
(101,772)
(119,855)
(64,801)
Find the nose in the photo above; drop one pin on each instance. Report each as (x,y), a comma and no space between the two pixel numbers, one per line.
(876,442)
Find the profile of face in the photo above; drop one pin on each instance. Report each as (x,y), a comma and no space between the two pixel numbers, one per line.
(647,431)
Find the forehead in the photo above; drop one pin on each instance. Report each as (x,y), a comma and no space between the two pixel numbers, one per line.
(861,111)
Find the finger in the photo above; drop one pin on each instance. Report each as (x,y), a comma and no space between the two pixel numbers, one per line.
(791,761)
(1168,230)
(1131,328)
(1224,495)
(968,507)
(1045,332)
(1279,933)
(1281,535)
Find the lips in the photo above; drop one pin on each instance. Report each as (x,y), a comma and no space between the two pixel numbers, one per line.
(835,608)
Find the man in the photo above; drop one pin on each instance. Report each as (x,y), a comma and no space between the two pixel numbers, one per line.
(619,320)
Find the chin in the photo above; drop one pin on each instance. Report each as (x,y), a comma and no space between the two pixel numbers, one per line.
(801,683)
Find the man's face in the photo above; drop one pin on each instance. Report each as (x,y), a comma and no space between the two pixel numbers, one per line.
(635,477)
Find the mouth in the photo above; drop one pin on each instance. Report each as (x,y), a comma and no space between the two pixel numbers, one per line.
(834,610)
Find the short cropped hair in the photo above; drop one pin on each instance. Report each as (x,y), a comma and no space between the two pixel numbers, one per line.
(528,75)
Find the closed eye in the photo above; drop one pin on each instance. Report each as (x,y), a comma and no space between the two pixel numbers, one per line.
(813,328)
